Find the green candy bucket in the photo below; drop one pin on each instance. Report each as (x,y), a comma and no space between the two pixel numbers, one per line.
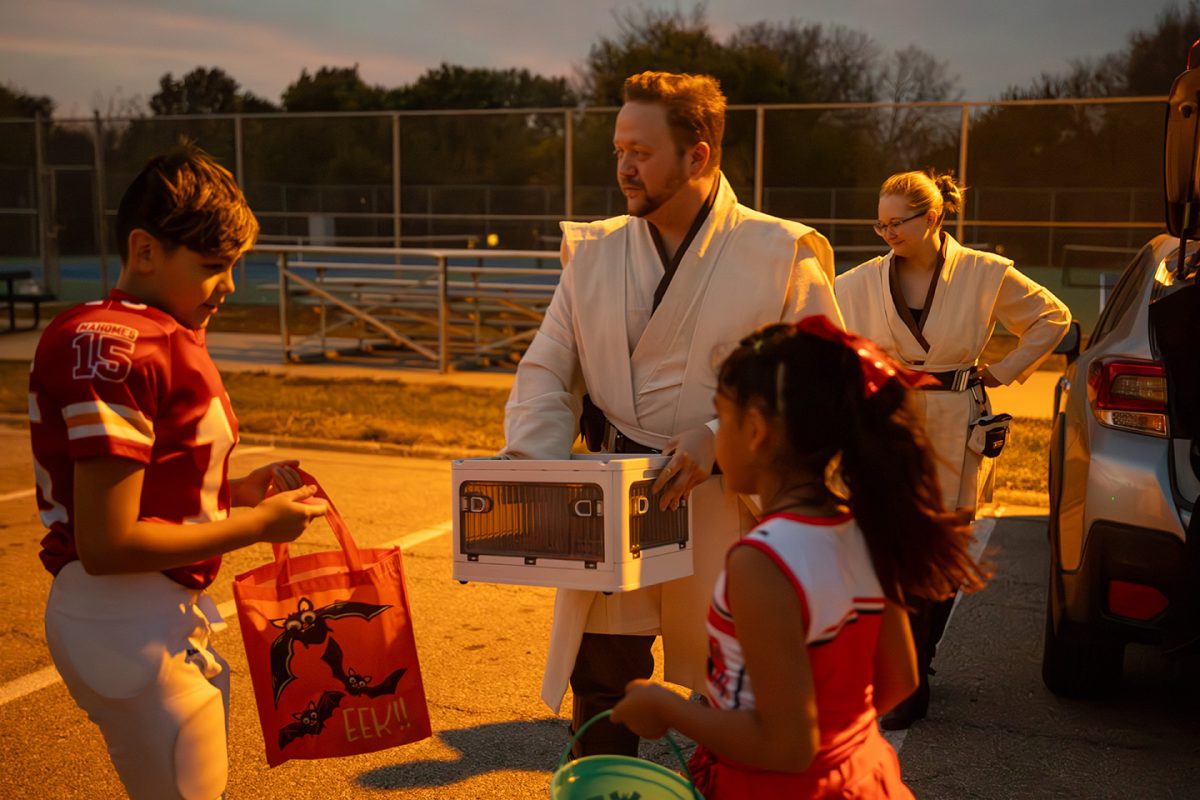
(604,777)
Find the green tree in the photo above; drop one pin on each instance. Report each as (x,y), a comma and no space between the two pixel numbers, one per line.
(454,86)
(762,62)
(1082,162)
(789,62)
(333,89)
(650,39)
(17,103)
(204,90)
(1147,65)
(1154,58)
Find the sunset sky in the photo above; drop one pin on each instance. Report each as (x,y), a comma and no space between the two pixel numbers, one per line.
(86,54)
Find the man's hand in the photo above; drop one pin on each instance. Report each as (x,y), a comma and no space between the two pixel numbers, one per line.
(692,454)
(989,380)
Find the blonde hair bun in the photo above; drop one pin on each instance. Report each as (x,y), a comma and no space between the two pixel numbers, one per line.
(926,190)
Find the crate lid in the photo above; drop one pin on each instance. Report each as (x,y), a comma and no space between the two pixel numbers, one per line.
(578,462)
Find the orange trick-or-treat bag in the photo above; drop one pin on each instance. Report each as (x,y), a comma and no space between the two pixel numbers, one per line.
(329,640)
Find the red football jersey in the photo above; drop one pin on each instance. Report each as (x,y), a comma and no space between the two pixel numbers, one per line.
(116,377)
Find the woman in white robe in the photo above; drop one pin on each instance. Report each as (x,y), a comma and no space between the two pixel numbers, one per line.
(933,304)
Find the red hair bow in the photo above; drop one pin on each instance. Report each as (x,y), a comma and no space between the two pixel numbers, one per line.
(877,366)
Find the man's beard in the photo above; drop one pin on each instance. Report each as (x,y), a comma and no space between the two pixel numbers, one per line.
(648,203)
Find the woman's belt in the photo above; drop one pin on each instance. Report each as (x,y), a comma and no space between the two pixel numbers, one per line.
(955,380)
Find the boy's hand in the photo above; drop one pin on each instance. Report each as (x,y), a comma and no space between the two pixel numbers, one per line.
(643,709)
(286,515)
(250,490)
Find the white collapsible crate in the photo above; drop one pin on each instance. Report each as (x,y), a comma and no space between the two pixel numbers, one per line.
(590,522)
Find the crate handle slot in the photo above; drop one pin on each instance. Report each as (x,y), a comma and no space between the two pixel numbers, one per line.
(477,503)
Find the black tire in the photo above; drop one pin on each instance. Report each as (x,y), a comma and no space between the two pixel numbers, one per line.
(1074,662)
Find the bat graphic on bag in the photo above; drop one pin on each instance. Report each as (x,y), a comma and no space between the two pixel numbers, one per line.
(309,626)
(359,684)
(311,721)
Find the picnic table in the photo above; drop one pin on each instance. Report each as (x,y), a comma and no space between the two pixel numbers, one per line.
(12,297)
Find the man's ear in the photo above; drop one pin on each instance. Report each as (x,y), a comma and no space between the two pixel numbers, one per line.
(700,155)
(144,251)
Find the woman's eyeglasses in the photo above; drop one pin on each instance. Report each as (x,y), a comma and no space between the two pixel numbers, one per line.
(888,228)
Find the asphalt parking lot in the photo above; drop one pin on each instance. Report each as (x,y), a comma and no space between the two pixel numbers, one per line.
(993,730)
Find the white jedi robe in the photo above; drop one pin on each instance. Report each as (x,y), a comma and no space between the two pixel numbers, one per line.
(974,291)
(654,377)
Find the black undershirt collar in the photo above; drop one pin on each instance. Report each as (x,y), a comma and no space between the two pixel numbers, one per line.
(671,263)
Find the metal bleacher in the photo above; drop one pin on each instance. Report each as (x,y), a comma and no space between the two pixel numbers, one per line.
(439,307)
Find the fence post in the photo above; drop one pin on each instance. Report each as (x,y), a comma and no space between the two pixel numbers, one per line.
(240,174)
(46,234)
(1050,232)
(238,163)
(396,222)
(443,316)
(101,202)
(285,338)
(568,165)
(759,123)
(961,225)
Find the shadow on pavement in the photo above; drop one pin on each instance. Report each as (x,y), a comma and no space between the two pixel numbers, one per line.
(517,746)
(520,745)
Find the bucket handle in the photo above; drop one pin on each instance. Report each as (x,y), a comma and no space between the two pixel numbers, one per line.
(667,736)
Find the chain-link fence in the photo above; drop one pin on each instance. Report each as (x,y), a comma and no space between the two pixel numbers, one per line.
(1068,189)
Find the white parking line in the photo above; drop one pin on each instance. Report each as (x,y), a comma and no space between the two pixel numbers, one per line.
(18,495)
(249,451)
(241,451)
(23,493)
(28,684)
(48,676)
(983,532)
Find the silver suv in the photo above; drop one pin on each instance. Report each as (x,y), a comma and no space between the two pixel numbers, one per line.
(1124,541)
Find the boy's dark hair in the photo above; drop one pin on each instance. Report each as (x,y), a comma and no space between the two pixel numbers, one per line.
(813,388)
(695,107)
(185,198)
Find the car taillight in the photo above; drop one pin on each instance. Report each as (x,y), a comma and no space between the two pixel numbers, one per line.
(1130,395)
(1135,600)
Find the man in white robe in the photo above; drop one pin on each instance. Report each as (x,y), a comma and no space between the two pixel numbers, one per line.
(647,306)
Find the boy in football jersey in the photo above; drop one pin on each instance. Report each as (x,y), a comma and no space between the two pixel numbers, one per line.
(131,430)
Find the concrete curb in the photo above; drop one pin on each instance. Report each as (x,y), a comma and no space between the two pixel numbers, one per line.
(337,445)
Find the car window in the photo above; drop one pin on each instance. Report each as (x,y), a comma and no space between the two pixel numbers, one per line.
(1128,288)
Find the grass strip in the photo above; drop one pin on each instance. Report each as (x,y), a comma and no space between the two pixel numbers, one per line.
(453,417)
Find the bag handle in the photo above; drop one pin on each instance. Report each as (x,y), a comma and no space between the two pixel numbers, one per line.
(670,740)
(340,530)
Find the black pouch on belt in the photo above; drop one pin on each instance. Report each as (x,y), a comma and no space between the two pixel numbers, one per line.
(989,434)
